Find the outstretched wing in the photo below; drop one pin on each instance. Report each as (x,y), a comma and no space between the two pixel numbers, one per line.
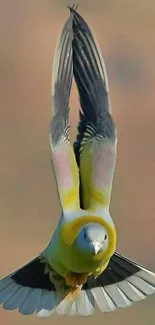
(63,158)
(95,147)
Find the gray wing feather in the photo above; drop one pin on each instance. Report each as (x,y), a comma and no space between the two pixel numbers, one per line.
(62,153)
(92,82)
(61,84)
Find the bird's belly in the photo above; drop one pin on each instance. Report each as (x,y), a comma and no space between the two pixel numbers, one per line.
(84,267)
(64,258)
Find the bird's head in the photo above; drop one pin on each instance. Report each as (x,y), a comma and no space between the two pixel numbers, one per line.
(94,235)
(93,239)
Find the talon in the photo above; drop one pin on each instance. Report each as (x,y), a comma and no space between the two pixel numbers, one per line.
(82,278)
(71,280)
(76,279)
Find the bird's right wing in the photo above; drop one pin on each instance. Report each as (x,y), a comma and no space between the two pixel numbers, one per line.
(63,158)
(95,146)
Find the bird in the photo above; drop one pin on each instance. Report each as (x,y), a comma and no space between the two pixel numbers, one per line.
(80,267)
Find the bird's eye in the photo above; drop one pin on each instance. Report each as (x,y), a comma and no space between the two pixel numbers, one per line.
(105,237)
(85,236)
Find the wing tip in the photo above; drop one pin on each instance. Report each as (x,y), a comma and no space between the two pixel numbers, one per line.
(73,8)
(62,61)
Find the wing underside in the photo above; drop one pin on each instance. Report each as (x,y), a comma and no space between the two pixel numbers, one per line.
(95,147)
(63,158)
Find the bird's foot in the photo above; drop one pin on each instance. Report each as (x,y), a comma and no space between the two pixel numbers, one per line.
(75,279)
(71,279)
(82,278)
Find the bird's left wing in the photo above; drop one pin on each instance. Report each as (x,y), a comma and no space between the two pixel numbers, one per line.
(95,147)
(63,159)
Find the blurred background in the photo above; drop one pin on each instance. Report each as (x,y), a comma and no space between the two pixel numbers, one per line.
(29,207)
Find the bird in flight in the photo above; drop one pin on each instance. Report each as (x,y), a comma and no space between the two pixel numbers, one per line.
(80,266)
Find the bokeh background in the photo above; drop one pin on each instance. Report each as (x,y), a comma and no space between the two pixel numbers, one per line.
(29,207)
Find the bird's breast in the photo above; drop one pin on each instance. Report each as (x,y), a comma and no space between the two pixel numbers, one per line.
(79,262)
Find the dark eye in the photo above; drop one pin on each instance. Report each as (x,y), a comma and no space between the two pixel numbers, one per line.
(85,236)
(105,237)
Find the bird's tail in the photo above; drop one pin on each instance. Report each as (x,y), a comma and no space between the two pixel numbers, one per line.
(29,289)
(35,288)
(121,284)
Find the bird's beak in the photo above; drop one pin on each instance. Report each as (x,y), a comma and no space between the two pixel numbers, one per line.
(96,247)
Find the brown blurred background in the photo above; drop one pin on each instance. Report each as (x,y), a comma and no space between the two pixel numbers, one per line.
(28,199)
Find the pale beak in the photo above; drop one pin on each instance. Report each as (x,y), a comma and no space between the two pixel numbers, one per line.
(96,247)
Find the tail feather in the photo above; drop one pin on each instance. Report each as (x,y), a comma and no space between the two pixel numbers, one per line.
(30,289)
(121,284)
